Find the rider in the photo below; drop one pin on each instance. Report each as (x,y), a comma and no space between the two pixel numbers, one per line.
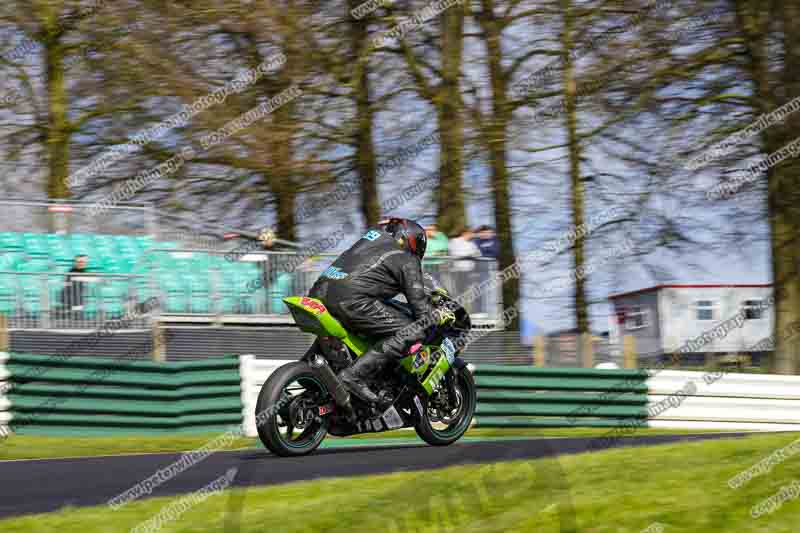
(386,261)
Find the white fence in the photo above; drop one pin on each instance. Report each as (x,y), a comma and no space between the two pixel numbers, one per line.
(254,372)
(5,404)
(726,401)
(737,402)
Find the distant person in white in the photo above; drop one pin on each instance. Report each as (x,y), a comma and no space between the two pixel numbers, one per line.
(462,247)
(463,270)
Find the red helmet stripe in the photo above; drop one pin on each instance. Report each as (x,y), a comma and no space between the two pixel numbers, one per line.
(412,239)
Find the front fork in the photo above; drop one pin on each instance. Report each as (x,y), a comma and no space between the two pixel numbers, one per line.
(450,381)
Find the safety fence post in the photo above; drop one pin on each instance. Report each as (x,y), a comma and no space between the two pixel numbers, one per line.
(159,342)
(539,351)
(587,350)
(5,337)
(630,357)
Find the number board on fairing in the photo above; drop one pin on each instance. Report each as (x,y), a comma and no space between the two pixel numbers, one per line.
(449,350)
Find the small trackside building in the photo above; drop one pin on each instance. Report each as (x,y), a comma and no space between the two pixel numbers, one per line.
(701,319)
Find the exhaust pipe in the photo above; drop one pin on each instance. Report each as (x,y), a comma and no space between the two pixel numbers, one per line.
(340,394)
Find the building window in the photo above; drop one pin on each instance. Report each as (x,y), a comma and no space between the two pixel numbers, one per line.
(753,309)
(705,309)
(636,318)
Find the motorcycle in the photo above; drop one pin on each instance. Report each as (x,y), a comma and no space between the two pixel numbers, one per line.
(431,390)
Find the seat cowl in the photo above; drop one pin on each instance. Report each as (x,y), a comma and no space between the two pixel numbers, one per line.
(310,314)
(317,310)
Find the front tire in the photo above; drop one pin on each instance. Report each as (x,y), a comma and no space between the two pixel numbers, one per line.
(286,401)
(439,428)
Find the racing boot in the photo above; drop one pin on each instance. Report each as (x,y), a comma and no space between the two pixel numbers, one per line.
(365,366)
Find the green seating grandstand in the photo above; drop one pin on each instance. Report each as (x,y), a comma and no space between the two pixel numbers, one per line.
(188,282)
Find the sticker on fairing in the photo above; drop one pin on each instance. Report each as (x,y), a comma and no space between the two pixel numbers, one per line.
(421,358)
(316,307)
(449,350)
(392,418)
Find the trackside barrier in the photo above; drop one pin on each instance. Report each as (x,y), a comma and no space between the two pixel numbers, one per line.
(88,395)
(5,405)
(548,397)
(722,400)
(512,396)
(254,373)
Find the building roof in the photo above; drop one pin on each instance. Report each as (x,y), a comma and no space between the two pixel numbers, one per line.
(696,286)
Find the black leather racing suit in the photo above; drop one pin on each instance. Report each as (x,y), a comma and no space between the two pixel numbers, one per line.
(355,286)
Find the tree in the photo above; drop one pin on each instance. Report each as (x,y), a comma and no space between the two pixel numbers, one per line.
(364,142)
(441,87)
(576,181)
(755,20)
(494,134)
(66,102)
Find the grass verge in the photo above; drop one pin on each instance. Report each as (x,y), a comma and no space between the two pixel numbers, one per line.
(682,487)
(43,447)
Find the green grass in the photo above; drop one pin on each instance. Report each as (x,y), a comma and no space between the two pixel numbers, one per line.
(43,447)
(681,486)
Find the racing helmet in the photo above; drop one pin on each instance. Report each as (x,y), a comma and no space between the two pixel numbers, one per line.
(408,234)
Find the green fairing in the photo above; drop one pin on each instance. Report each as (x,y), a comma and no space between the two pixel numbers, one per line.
(311,320)
(437,374)
(408,362)
(357,344)
(324,324)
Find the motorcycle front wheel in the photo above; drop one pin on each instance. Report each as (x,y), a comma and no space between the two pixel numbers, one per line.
(444,422)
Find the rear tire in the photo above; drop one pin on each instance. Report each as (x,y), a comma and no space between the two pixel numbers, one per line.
(269,429)
(462,420)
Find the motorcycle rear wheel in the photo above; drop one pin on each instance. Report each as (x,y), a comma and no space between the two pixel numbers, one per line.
(286,417)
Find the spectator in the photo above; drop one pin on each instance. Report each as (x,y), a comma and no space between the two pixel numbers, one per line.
(275,271)
(486,241)
(267,238)
(437,241)
(464,247)
(437,245)
(269,244)
(463,269)
(73,295)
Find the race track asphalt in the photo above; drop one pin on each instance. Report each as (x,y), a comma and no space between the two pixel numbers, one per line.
(38,486)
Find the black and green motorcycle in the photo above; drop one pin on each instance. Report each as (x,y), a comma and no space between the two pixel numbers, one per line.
(431,390)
